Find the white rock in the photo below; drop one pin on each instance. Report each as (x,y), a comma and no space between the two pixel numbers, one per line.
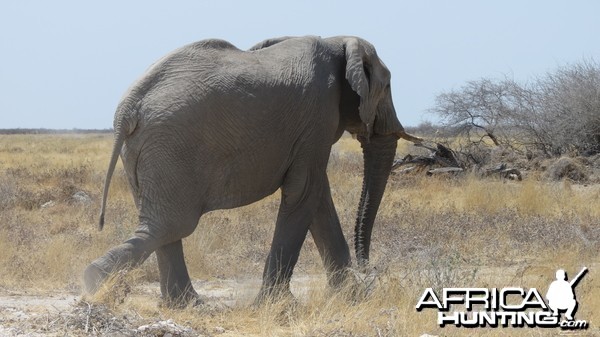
(81,197)
(48,204)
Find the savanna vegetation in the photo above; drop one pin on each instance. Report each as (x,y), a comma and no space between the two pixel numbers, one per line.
(440,231)
(555,114)
(465,230)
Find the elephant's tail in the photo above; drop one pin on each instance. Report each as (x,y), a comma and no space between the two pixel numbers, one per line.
(119,140)
(125,123)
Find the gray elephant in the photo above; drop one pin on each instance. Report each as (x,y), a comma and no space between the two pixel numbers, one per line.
(210,126)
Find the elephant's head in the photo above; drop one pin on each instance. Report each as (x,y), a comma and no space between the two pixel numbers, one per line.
(370,115)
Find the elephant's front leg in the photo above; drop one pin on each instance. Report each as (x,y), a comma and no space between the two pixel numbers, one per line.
(300,195)
(175,284)
(329,238)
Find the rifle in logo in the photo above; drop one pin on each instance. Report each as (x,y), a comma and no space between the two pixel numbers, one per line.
(561,293)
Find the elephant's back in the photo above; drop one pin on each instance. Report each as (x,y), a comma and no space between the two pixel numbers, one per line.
(222,91)
(213,79)
(234,119)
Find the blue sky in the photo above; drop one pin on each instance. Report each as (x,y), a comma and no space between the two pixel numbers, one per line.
(66,64)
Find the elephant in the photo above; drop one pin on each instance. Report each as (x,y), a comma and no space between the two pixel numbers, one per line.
(210,126)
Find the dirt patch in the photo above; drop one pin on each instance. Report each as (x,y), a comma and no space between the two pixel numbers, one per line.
(70,314)
(33,314)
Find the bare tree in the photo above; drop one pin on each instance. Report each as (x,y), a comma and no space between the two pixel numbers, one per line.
(556,113)
(570,103)
(479,110)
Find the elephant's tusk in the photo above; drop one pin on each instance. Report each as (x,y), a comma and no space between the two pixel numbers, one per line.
(409,137)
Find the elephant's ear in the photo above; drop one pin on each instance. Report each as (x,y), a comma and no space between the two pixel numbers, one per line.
(358,75)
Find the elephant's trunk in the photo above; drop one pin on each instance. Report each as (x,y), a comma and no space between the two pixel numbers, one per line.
(378,154)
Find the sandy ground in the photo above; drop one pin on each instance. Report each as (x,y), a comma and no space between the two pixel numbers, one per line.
(67,314)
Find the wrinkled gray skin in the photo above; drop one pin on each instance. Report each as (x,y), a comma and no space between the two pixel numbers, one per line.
(211,127)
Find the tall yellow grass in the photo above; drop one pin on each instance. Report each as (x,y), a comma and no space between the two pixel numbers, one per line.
(430,232)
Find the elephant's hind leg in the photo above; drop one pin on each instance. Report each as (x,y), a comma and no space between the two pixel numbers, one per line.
(175,284)
(129,254)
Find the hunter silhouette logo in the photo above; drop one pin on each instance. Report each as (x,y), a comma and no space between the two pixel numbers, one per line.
(507,307)
(561,293)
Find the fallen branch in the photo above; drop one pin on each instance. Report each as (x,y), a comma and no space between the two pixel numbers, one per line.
(87,317)
(443,160)
(445,170)
(440,155)
(504,172)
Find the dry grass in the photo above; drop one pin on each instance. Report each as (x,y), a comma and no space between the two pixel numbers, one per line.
(431,232)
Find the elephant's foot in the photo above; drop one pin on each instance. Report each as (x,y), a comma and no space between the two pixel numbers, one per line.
(274,294)
(280,304)
(179,299)
(340,278)
(127,255)
(93,277)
